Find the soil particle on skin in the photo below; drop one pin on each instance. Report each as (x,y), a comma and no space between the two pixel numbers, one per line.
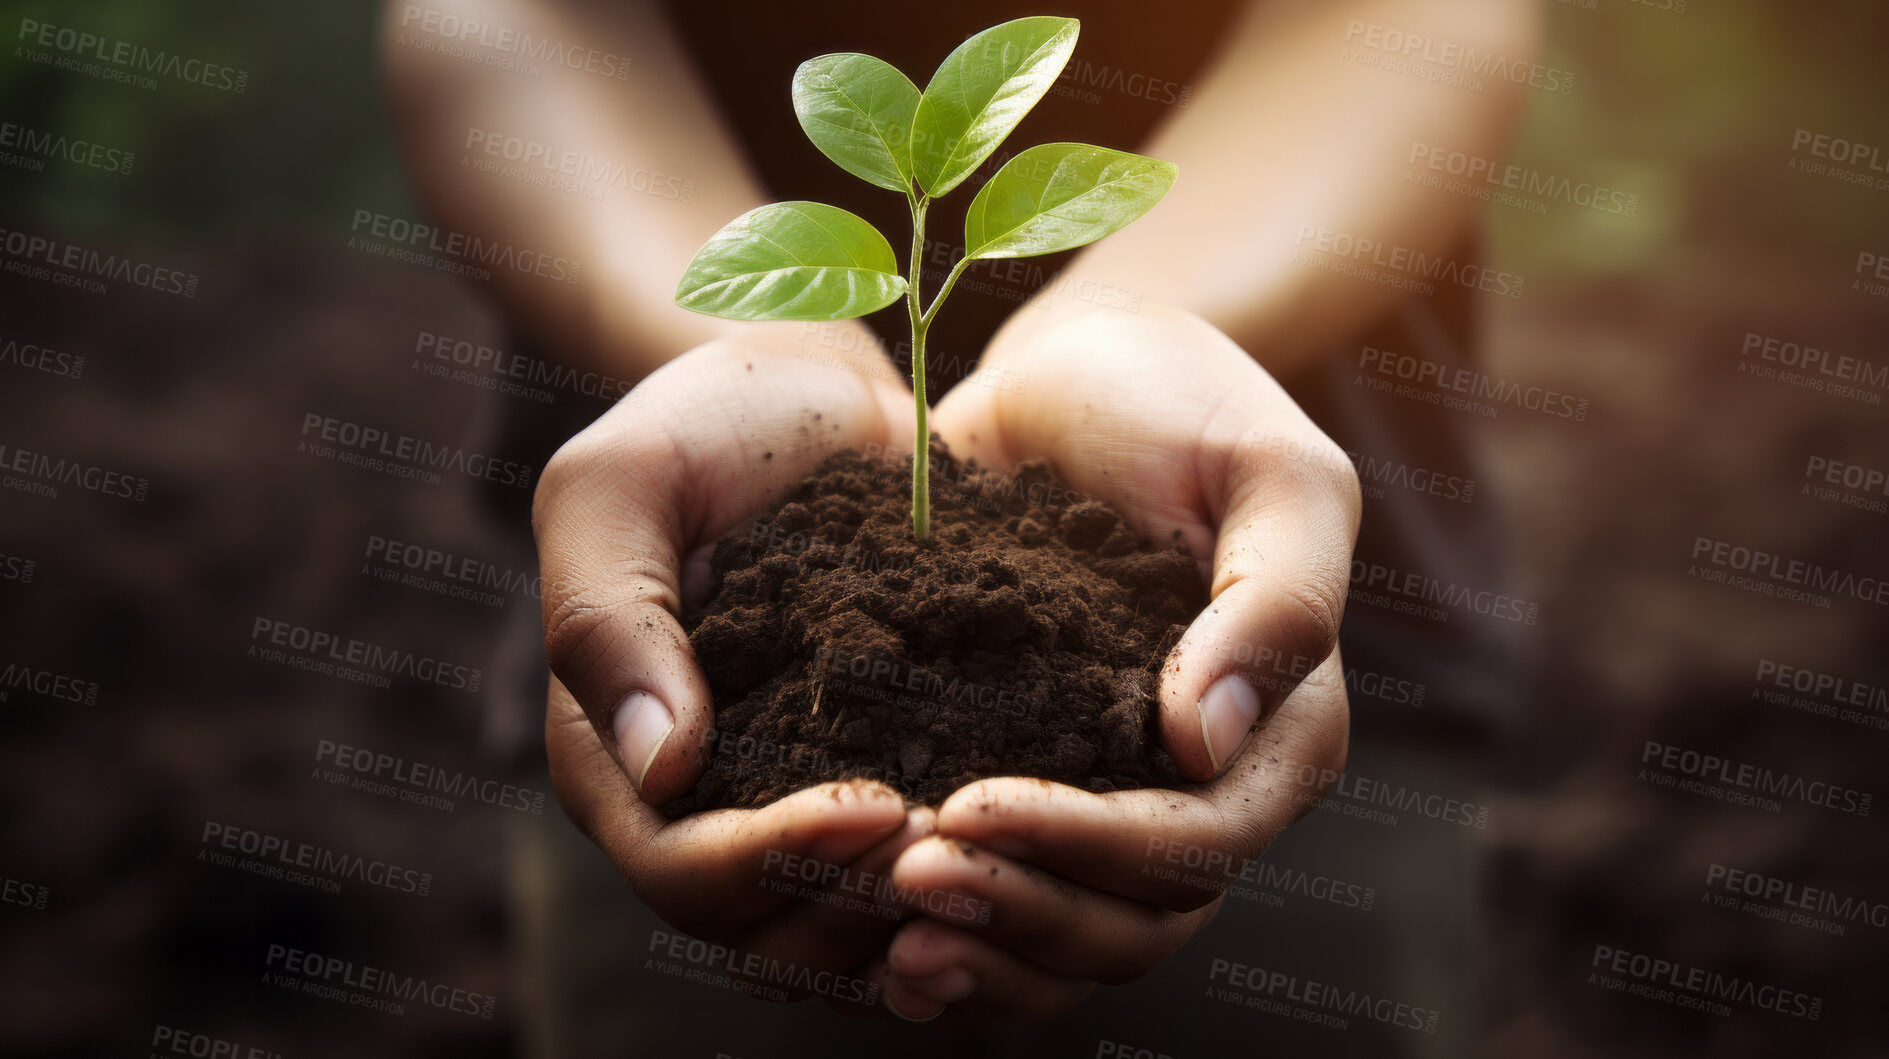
(1024,637)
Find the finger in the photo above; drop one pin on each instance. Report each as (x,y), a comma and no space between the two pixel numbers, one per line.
(879,1001)
(704,873)
(1132,450)
(698,447)
(1109,842)
(1222,455)
(1287,505)
(610,540)
(1056,924)
(972,980)
(845,921)
(1175,849)
(705,866)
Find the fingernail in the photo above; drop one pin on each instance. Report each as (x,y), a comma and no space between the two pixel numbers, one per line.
(1227,713)
(642,725)
(894,1008)
(947,987)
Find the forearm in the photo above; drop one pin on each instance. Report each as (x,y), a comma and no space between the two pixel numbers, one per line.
(647,135)
(1284,132)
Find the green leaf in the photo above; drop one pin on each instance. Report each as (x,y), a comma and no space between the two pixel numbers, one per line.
(858,111)
(981,91)
(792,261)
(1059,196)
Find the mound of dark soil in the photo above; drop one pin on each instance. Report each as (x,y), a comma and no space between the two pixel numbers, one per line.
(1025,636)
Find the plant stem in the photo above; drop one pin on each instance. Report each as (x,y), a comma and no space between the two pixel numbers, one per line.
(921,451)
(938,299)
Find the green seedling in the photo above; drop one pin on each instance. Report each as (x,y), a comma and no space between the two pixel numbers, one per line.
(810,261)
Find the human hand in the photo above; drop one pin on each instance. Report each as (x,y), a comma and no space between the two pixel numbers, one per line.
(1168,420)
(624,516)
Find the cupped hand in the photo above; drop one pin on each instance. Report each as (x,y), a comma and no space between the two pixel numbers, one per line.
(1164,417)
(624,515)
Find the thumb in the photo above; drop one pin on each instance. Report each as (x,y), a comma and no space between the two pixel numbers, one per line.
(609,554)
(1281,561)
(670,467)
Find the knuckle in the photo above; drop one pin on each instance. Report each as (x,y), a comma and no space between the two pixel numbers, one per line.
(588,626)
(571,623)
(1300,464)
(1313,619)
(611,453)
(572,462)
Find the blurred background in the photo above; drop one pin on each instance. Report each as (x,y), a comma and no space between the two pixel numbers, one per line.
(138,716)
